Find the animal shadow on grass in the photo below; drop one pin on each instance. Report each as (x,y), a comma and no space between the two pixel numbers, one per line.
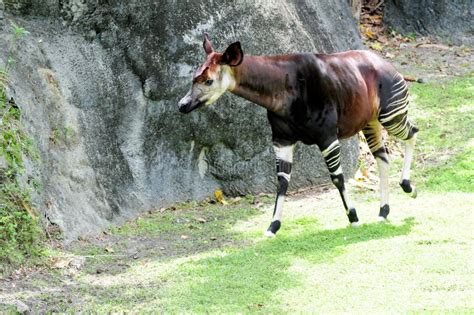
(259,270)
(249,276)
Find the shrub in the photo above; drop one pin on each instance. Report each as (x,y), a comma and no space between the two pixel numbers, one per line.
(20,234)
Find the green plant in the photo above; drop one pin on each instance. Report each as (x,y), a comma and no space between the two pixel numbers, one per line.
(62,135)
(20,235)
(411,36)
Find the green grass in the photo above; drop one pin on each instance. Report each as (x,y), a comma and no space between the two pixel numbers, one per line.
(245,279)
(444,112)
(419,262)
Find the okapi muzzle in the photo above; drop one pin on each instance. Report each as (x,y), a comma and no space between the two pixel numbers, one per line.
(315,99)
(213,78)
(190,102)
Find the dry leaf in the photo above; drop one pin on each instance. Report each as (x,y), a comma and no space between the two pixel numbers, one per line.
(220,197)
(382,39)
(369,34)
(201,220)
(376,46)
(61,263)
(365,172)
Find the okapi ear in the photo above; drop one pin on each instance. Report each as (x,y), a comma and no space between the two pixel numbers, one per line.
(207,44)
(233,55)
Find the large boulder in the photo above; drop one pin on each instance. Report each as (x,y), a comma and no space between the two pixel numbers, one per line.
(450,20)
(98,85)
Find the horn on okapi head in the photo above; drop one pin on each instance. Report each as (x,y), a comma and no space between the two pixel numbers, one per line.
(207,44)
(233,55)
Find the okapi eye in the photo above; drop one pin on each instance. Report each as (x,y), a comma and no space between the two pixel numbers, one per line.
(208,82)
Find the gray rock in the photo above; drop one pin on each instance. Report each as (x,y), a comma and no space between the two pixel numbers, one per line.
(77,262)
(451,20)
(98,86)
(2,10)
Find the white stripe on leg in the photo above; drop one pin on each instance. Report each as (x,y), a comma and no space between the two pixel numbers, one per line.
(409,148)
(347,200)
(278,205)
(284,153)
(383,175)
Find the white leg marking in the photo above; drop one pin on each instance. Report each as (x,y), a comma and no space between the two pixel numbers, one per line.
(355,224)
(269,234)
(331,147)
(409,148)
(384,187)
(284,175)
(338,171)
(348,201)
(279,203)
(284,153)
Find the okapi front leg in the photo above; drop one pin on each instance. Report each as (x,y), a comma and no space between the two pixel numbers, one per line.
(332,156)
(284,161)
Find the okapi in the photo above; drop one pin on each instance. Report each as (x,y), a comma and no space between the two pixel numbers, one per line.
(316,99)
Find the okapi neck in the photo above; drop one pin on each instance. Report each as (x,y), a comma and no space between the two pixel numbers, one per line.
(263,81)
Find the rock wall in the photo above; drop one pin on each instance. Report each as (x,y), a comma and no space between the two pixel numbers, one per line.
(98,83)
(451,20)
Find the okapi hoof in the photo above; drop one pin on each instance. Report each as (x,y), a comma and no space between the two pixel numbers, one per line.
(384,211)
(408,188)
(272,229)
(353,219)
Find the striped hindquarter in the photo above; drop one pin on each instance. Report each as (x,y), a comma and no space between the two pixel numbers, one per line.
(393,112)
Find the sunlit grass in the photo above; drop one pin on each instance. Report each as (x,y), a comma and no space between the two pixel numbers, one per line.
(444,112)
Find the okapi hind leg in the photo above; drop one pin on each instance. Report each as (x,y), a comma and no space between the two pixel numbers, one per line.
(332,157)
(284,161)
(394,117)
(373,134)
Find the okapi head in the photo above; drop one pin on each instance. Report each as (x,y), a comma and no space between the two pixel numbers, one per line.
(213,77)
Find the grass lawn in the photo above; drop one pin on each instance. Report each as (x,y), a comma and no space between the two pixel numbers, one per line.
(215,260)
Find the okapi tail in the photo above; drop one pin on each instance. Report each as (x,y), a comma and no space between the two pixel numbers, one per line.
(412,79)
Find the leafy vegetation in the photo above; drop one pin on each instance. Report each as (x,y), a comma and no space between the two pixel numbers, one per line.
(20,235)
